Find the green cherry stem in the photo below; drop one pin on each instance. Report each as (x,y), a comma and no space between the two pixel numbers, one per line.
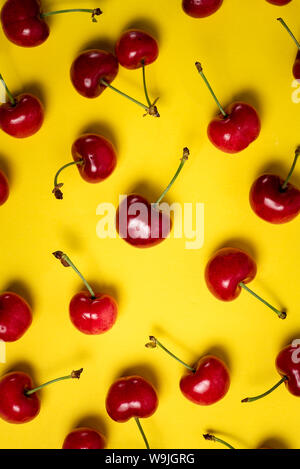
(297,153)
(142,432)
(252,399)
(151,109)
(280,314)
(56,191)
(200,70)
(184,158)
(74,375)
(10,96)
(289,31)
(145,84)
(210,437)
(66,262)
(95,12)
(156,343)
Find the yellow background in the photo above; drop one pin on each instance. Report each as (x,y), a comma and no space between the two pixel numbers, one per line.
(247,55)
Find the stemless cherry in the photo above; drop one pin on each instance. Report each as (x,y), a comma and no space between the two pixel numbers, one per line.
(84,438)
(279,2)
(95,158)
(201,8)
(91,313)
(15,317)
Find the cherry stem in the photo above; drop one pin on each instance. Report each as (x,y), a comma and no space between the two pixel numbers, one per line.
(10,96)
(289,31)
(74,375)
(145,84)
(297,153)
(154,343)
(66,262)
(151,110)
(252,399)
(56,191)
(185,157)
(95,12)
(200,70)
(280,314)
(210,437)
(142,432)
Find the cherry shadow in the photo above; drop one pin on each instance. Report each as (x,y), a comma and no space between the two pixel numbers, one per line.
(101,128)
(289,339)
(143,370)
(95,422)
(160,333)
(71,239)
(99,43)
(19,287)
(240,243)
(6,168)
(273,443)
(220,352)
(280,168)
(249,97)
(145,25)
(37,90)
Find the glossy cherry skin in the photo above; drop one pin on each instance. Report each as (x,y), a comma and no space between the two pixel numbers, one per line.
(22,23)
(296,67)
(286,366)
(130,397)
(235,132)
(89,68)
(208,384)
(226,269)
(140,224)
(4,188)
(15,317)
(98,154)
(84,438)
(273,204)
(134,47)
(23,119)
(201,8)
(93,316)
(279,2)
(15,406)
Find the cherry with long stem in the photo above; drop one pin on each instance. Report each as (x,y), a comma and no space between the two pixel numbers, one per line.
(66,262)
(280,314)
(200,70)
(94,12)
(10,96)
(210,437)
(289,31)
(156,343)
(57,186)
(137,420)
(74,375)
(284,185)
(256,398)
(151,109)
(183,160)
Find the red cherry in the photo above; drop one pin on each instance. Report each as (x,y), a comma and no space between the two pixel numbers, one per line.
(23,21)
(279,2)
(89,68)
(93,315)
(209,382)
(15,317)
(288,366)
(234,128)
(228,271)
(4,188)
(205,384)
(131,397)
(90,312)
(22,116)
(142,224)
(95,158)
(201,8)
(136,48)
(19,401)
(15,406)
(84,438)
